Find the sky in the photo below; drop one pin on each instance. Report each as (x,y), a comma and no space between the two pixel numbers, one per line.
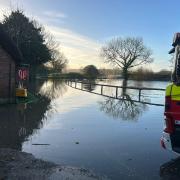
(83,26)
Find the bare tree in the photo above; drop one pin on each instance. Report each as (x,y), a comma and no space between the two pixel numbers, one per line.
(50,40)
(58,61)
(126,53)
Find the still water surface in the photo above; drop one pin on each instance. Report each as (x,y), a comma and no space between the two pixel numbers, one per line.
(115,138)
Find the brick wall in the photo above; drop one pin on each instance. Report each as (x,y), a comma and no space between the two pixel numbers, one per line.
(7,77)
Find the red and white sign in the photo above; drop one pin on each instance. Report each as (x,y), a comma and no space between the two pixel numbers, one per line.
(23,74)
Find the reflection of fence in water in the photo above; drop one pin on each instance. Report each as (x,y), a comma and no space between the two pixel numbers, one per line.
(139,94)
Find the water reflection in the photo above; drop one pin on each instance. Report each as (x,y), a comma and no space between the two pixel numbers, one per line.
(89,86)
(53,89)
(170,170)
(124,107)
(19,122)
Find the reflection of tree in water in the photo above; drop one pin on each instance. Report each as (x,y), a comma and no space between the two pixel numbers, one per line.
(138,83)
(53,89)
(19,122)
(122,108)
(90,86)
(125,108)
(170,170)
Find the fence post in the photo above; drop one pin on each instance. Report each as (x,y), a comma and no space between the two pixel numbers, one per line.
(116,92)
(101,89)
(89,86)
(75,84)
(139,94)
(81,85)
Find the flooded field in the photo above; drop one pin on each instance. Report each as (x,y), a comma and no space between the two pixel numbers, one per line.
(117,139)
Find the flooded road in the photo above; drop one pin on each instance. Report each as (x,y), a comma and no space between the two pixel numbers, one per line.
(114,138)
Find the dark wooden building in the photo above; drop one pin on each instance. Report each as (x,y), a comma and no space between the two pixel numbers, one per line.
(10,57)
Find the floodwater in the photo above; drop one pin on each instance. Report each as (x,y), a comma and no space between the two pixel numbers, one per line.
(117,139)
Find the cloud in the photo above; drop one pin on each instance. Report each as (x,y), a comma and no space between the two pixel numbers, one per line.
(51,17)
(53,14)
(79,49)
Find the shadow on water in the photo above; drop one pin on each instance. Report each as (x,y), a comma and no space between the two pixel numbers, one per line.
(124,107)
(19,122)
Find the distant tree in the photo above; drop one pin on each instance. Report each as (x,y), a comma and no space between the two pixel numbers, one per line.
(148,75)
(163,75)
(109,73)
(164,72)
(74,76)
(142,73)
(90,72)
(126,53)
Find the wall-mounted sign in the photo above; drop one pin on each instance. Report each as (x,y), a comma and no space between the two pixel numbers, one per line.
(23,74)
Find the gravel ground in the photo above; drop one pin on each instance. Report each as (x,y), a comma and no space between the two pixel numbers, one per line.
(15,165)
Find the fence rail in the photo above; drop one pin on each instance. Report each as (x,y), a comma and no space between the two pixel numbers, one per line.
(140,89)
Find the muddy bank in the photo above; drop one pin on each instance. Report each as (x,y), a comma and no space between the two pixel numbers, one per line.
(15,165)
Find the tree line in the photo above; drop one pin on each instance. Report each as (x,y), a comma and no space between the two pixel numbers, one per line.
(144,74)
(140,74)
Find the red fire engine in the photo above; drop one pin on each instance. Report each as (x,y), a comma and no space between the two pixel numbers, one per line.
(171,134)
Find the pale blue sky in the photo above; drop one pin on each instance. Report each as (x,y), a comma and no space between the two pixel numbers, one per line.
(82,26)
